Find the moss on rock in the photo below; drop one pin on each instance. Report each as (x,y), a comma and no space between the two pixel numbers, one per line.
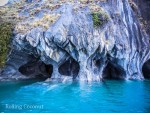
(5,35)
(99,18)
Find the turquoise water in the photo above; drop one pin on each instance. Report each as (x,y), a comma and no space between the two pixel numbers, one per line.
(75,97)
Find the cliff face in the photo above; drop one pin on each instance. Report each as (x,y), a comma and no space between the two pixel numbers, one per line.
(64,44)
(143,13)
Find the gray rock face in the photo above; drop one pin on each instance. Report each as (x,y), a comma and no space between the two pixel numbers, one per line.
(116,50)
(143,13)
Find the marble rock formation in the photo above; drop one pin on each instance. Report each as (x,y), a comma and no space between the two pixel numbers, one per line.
(71,47)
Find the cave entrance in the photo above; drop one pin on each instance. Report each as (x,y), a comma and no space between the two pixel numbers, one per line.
(146,69)
(69,68)
(36,69)
(98,62)
(113,71)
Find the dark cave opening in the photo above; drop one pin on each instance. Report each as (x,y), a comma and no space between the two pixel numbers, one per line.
(69,68)
(146,69)
(113,71)
(36,69)
(98,62)
(48,68)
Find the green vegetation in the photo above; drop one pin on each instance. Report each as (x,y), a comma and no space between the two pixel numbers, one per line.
(99,18)
(5,35)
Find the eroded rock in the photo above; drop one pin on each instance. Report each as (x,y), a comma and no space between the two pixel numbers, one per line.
(116,50)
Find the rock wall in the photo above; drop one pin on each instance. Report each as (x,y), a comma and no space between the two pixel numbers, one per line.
(143,13)
(116,50)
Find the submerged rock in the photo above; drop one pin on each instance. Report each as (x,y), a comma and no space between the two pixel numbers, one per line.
(116,49)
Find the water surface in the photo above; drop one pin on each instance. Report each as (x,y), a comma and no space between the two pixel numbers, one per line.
(75,97)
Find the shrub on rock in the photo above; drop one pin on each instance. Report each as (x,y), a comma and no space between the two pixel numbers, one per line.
(99,18)
(5,35)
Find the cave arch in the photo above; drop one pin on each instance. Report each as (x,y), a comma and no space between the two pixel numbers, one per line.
(146,69)
(113,71)
(36,69)
(69,68)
